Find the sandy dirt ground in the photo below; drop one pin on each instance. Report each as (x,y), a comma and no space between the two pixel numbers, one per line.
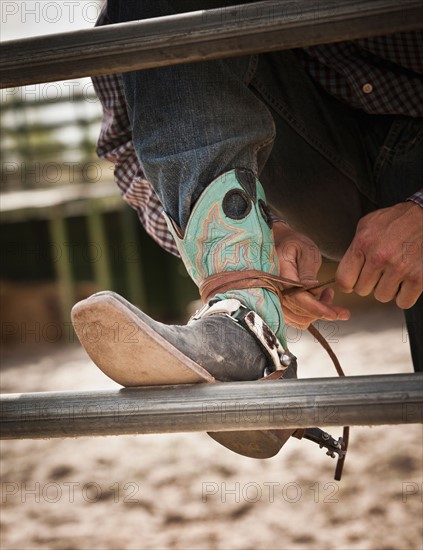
(184,491)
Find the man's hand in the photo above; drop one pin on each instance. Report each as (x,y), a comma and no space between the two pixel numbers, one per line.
(385,257)
(300,260)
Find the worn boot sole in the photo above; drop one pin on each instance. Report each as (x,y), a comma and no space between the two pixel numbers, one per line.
(130,352)
(127,349)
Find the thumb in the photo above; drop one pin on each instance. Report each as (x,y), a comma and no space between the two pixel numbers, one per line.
(309,263)
(288,258)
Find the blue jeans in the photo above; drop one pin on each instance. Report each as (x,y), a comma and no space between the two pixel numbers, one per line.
(323,164)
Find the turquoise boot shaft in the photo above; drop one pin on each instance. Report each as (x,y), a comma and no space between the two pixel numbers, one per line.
(230,230)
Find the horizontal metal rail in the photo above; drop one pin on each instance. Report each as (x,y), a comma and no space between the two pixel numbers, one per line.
(356,400)
(201,35)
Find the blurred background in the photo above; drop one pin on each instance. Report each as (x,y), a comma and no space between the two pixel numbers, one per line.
(66,233)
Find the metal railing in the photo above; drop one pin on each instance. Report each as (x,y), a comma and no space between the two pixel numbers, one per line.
(356,400)
(198,36)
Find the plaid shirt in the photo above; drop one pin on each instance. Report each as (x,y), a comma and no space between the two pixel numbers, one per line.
(381,75)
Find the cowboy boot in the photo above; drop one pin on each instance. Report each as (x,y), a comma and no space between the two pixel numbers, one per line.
(237,335)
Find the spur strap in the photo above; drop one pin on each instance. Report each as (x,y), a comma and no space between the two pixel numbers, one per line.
(252,278)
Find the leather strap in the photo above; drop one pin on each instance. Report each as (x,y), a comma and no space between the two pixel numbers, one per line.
(325,345)
(252,278)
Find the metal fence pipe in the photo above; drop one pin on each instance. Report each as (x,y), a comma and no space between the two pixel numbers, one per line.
(209,34)
(357,400)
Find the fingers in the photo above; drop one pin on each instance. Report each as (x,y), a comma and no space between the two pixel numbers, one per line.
(298,321)
(387,287)
(368,279)
(387,282)
(304,305)
(385,256)
(408,294)
(349,269)
(327,296)
(300,260)
(303,308)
